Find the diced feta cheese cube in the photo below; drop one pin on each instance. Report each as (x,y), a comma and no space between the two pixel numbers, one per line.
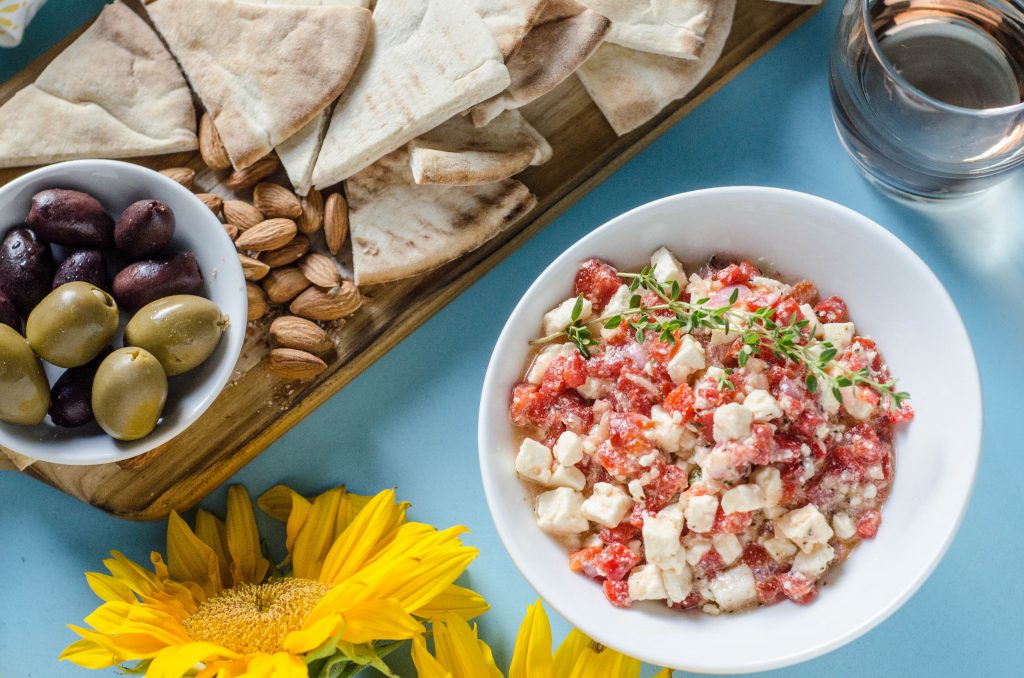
(813,324)
(734,588)
(595,388)
(535,375)
(560,317)
(700,512)
(755,377)
(661,541)
(668,434)
(805,527)
(827,399)
(720,337)
(780,548)
(645,584)
(688,358)
(568,449)
(769,283)
(567,476)
(814,563)
(607,506)
(667,268)
(859,409)
(842,525)
(773,512)
(674,514)
(619,301)
(558,512)
(838,334)
(769,480)
(636,490)
(696,548)
(534,461)
(678,583)
(732,422)
(698,288)
(728,547)
(743,498)
(764,406)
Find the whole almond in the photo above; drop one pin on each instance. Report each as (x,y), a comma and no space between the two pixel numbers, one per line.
(253,174)
(283,284)
(242,214)
(290,331)
(312,219)
(212,201)
(288,254)
(183,175)
(335,221)
(231,230)
(290,363)
(268,235)
(276,201)
(332,304)
(320,270)
(253,269)
(257,301)
(210,145)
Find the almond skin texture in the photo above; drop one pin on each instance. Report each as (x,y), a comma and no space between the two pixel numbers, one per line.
(289,331)
(320,270)
(283,284)
(276,201)
(253,269)
(335,221)
(210,145)
(253,174)
(288,254)
(290,363)
(242,214)
(257,301)
(231,230)
(213,201)
(268,235)
(183,175)
(317,304)
(312,219)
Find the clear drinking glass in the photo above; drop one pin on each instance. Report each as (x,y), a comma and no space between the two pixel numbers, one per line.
(928,95)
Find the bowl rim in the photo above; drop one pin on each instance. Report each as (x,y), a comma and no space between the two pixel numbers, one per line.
(236,339)
(491,478)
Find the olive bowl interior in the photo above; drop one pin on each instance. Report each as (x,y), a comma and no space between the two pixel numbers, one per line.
(893,297)
(116,185)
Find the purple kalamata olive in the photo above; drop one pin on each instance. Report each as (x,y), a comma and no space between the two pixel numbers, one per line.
(70,218)
(71,395)
(26,268)
(145,281)
(145,228)
(82,265)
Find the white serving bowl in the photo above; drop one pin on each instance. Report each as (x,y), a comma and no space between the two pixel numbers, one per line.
(116,185)
(893,297)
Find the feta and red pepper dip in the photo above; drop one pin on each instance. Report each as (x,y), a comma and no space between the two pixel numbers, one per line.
(704,463)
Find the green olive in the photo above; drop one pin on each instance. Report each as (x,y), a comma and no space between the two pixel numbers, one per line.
(72,324)
(181,331)
(128,393)
(24,391)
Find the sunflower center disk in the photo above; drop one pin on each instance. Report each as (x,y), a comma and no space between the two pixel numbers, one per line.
(253,618)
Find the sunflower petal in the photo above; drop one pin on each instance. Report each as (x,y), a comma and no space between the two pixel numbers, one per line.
(532,656)
(597,660)
(108,588)
(89,655)
(363,538)
(459,650)
(277,665)
(379,620)
(571,649)
(248,566)
(189,559)
(131,573)
(289,507)
(214,533)
(664,673)
(314,538)
(426,665)
(174,662)
(312,636)
(457,600)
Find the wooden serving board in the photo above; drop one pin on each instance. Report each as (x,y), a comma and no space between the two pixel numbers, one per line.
(256,408)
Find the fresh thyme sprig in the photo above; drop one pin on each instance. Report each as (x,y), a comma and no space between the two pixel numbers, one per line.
(758,331)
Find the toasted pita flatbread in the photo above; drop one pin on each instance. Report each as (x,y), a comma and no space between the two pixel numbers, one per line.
(566,34)
(115,92)
(460,154)
(310,3)
(632,87)
(670,27)
(400,229)
(298,153)
(509,20)
(426,61)
(262,71)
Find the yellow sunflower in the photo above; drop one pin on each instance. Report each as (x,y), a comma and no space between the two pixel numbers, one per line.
(459,653)
(358,578)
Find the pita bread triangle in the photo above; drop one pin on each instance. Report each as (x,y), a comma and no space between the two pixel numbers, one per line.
(509,20)
(262,71)
(427,60)
(565,35)
(115,92)
(632,87)
(400,229)
(670,27)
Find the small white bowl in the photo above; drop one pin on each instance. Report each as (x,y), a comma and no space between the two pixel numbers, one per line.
(116,185)
(893,297)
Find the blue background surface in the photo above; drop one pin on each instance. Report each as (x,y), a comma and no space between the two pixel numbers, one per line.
(410,420)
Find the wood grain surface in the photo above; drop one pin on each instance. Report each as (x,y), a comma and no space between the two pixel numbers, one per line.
(256,407)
